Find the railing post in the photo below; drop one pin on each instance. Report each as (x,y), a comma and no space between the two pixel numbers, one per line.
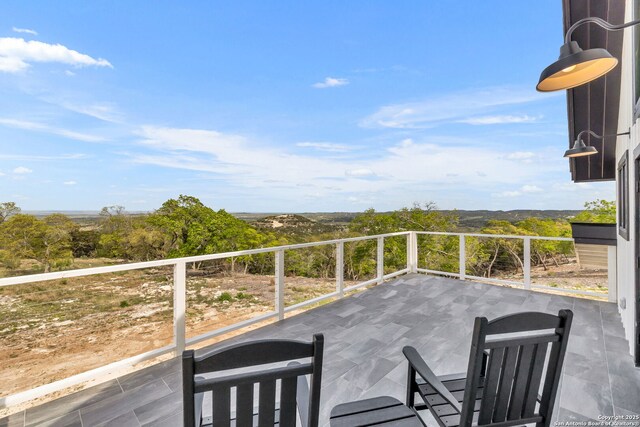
(527,263)
(412,252)
(462,261)
(380,258)
(280,284)
(179,306)
(340,269)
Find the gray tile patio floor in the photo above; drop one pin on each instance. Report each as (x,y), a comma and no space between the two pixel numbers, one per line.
(364,336)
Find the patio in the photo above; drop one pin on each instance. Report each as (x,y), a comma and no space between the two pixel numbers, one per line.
(364,336)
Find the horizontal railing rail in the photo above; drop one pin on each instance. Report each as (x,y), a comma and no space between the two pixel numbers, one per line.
(179,290)
(524,283)
(180,340)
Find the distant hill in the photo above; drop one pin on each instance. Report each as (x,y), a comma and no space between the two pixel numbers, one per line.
(478,219)
(324,222)
(294,224)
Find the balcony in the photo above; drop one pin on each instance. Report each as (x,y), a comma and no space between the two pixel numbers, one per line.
(364,332)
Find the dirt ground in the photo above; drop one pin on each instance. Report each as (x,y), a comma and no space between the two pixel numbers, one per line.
(50,331)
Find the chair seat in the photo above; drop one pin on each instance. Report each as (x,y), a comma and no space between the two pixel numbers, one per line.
(444,411)
(379,411)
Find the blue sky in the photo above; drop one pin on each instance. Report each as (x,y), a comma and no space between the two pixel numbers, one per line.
(283,106)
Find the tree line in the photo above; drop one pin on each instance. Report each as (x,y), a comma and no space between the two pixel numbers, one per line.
(186,227)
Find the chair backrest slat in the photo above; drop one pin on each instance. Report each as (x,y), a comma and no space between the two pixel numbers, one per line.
(521,381)
(489,392)
(288,391)
(536,377)
(244,405)
(267,405)
(506,382)
(221,411)
(251,355)
(552,374)
(515,368)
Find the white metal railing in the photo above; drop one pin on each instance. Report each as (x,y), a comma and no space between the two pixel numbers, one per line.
(526,261)
(180,339)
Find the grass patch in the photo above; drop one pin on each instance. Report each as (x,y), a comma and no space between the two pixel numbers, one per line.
(225,296)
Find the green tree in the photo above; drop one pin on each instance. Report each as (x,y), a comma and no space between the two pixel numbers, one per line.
(597,211)
(114,225)
(47,241)
(7,209)
(544,251)
(436,252)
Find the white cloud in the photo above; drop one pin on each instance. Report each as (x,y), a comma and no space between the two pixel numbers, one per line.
(21,170)
(331,82)
(25,31)
(530,189)
(450,107)
(499,120)
(2,173)
(325,146)
(39,127)
(106,112)
(69,183)
(408,170)
(16,54)
(573,186)
(69,73)
(360,172)
(507,194)
(31,158)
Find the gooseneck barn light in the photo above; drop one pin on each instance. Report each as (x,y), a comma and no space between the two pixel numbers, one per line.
(575,66)
(580,149)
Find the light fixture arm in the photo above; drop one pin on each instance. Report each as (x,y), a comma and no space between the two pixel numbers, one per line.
(599,136)
(601,22)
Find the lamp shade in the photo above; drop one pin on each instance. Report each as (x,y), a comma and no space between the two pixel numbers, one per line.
(575,67)
(579,149)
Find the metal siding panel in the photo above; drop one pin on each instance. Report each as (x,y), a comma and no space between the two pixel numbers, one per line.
(595,106)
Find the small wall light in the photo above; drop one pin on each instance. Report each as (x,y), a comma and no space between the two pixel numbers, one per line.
(580,149)
(575,66)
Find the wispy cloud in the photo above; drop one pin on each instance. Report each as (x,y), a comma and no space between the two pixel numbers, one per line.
(69,183)
(331,82)
(499,120)
(32,158)
(106,112)
(325,146)
(39,127)
(531,189)
(451,107)
(360,172)
(21,170)
(400,169)
(507,194)
(16,54)
(25,31)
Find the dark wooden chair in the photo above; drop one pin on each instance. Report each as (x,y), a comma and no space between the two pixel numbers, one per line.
(512,377)
(296,397)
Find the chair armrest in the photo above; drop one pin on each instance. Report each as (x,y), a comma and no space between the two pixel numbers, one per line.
(427,374)
(302,397)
